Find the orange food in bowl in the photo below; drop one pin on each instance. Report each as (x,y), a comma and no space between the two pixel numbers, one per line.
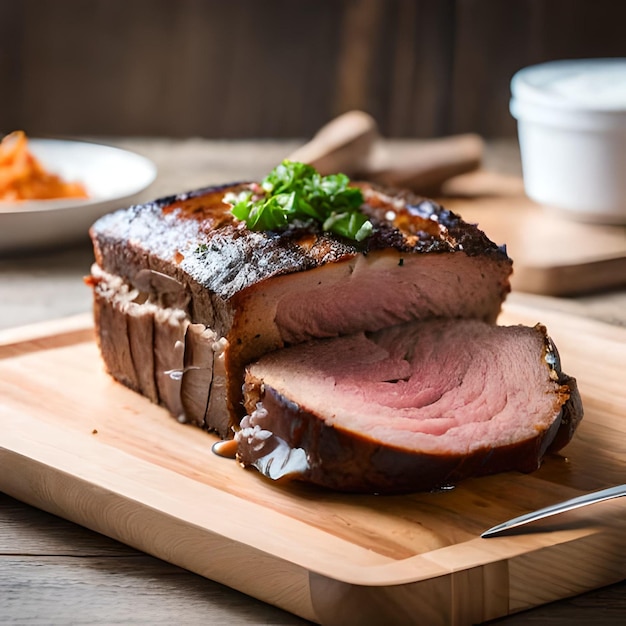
(23,177)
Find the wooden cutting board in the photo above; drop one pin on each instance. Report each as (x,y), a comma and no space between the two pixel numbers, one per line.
(79,445)
(552,255)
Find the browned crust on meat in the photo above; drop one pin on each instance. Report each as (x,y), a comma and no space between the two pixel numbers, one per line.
(571,414)
(218,264)
(194,238)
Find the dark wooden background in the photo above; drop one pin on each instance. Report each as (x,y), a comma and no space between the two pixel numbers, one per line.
(281,68)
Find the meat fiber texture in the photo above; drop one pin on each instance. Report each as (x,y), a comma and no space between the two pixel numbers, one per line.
(412,407)
(186,296)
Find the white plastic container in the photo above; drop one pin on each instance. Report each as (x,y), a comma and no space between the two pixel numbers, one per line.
(571,118)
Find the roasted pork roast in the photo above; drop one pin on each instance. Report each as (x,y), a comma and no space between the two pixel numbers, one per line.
(371,366)
(411,407)
(186,296)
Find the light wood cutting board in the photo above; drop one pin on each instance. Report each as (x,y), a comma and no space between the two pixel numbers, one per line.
(552,255)
(79,445)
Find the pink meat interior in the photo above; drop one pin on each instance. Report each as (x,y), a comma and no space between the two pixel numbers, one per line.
(434,386)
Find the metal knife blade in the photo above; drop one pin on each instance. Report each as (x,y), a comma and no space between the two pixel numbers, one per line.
(554,509)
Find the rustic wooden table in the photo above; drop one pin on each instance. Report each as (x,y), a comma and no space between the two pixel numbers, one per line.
(55,572)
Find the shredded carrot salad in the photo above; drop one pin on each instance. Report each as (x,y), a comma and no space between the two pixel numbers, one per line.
(23,177)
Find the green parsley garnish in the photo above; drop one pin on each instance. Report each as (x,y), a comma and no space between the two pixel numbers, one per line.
(295,193)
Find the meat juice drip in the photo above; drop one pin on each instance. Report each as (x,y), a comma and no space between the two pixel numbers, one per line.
(177,374)
(443,488)
(227,449)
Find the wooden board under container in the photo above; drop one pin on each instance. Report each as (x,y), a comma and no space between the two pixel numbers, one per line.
(553,254)
(79,445)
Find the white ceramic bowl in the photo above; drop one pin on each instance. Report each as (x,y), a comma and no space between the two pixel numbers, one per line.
(571,118)
(113,178)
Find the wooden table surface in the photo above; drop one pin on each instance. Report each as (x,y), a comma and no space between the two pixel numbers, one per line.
(55,572)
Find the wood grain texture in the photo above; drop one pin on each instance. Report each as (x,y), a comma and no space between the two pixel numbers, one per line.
(604,607)
(11,77)
(552,255)
(182,597)
(38,287)
(55,572)
(102,456)
(495,39)
(29,606)
(47,550)
(276,68)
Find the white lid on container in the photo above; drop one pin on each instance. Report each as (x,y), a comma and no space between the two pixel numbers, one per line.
(582,93)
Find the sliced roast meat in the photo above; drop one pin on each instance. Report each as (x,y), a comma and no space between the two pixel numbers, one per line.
(181,262)
(156,351)
(412,407)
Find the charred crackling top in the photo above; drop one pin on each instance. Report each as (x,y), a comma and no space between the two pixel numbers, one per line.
(196,232)
(411,223)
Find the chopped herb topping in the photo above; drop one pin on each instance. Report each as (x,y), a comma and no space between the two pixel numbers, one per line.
(295,193)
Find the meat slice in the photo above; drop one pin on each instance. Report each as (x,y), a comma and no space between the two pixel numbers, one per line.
(412,407)
(182,270)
